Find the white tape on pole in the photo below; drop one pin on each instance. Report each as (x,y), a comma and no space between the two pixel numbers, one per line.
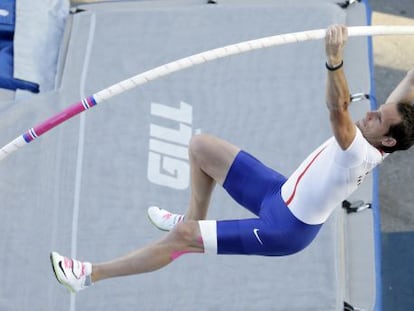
(239,48)
(191,61)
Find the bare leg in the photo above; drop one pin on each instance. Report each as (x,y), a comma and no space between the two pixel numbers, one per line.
(210,160)
(184,238)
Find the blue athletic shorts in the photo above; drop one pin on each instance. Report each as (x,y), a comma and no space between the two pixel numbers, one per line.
(276,231)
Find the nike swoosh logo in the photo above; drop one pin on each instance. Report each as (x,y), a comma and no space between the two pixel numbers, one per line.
(4,12)
(255,231)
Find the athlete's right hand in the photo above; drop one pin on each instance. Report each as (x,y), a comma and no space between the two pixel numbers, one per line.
(335,39)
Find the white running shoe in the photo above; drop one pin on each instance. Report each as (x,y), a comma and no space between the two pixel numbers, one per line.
(163,219)
(73,274)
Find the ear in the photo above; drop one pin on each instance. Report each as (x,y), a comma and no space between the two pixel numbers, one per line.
(388,141)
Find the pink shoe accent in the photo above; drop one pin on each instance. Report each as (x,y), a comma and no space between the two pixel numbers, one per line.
(67,262)
(167,216)
(83,269)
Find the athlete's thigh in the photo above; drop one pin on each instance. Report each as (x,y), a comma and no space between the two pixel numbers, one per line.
(249,181)
(277,232)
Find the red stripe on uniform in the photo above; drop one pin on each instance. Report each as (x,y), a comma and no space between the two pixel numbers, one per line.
(300,177)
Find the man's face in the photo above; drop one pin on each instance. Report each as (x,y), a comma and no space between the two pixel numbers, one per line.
(377,123)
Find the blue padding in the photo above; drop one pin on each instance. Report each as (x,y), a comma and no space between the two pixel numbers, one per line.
(7,23)
(375,201)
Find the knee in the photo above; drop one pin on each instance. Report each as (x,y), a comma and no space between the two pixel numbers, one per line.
(185,232)
(198,148)
(185,239)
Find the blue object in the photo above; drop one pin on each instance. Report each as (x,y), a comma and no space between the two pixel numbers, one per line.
(276,231)
(7,25)
(375,174)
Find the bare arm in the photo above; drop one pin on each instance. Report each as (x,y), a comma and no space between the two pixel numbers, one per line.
(404,92)
(337,91)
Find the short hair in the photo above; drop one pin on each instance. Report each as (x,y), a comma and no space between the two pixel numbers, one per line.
(402,132)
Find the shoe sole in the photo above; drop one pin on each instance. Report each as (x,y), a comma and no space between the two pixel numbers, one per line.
(54,263)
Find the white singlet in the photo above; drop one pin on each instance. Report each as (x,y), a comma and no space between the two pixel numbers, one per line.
(327,177)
